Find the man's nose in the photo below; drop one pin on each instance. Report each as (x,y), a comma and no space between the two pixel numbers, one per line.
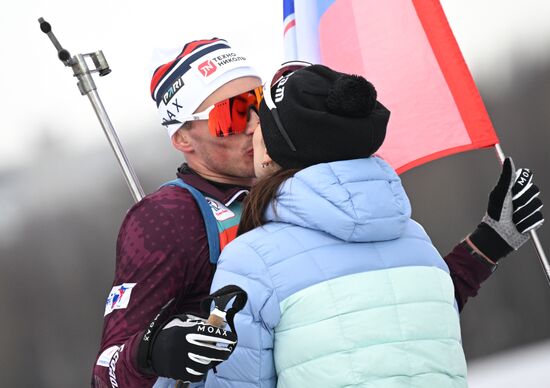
(253,121)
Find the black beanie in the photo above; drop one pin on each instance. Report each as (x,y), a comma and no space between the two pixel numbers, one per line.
(328,116)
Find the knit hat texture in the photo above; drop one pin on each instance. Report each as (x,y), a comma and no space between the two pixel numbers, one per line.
(328,116)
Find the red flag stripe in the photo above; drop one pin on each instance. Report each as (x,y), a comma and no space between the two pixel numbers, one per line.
(457,75)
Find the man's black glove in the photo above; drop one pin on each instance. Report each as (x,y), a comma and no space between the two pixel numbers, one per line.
(513,210)
(184,348)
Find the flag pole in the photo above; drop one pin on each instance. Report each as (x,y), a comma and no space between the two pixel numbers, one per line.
(534,236)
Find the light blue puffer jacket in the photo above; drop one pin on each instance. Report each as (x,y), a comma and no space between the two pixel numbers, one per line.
(344,289)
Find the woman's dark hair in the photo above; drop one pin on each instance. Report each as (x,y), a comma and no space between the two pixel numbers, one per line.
(261,195)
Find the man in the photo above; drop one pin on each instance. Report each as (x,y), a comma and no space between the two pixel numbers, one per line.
(162,249)
(207,99)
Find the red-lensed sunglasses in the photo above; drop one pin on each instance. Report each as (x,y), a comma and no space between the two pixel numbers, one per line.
(229,116)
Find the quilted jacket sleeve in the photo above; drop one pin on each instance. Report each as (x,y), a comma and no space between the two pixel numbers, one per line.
(251,364)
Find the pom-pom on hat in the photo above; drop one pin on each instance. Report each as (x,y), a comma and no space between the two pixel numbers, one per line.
(180,86)
(327,115)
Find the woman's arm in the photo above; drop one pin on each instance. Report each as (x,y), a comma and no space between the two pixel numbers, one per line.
(251,364)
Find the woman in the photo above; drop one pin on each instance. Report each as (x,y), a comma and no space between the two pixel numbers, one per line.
(344,288)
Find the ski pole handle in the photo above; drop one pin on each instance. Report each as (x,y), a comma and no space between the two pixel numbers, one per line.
(221,298)
(217,318)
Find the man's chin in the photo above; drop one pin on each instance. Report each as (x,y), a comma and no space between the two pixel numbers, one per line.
(244,173)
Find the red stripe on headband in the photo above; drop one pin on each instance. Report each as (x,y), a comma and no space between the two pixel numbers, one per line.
(158,75)
(192,46)
(161,71)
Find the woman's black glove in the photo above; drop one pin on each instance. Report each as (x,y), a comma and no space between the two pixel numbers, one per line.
(513,210)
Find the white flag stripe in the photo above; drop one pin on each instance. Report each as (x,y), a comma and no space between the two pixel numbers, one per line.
(307,31)
(289,39)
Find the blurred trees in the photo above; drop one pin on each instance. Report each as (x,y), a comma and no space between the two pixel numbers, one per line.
(59,220)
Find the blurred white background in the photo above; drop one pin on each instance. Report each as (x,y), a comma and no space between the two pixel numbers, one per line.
(53,152)
(41,104)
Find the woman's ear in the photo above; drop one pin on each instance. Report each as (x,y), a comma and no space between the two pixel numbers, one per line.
(182,141)
(270,164)
(267,159)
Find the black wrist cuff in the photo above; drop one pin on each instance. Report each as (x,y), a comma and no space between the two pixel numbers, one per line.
(145,347)
(472,252)
(144,357)
(489,242)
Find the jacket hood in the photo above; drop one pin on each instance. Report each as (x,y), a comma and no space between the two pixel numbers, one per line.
(360,200)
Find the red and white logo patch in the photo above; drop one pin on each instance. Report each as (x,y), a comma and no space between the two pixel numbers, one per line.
(207,68)
(221,212)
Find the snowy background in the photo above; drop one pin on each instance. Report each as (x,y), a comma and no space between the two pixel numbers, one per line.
(62,196)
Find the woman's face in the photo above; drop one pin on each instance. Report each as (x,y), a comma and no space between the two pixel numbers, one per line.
(263,164)
(260,151)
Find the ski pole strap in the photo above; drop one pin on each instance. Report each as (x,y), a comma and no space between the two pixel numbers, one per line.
(207,215)
(221,299)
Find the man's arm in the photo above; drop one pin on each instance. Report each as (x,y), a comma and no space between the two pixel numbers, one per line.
(514,209)
(162,254)
(468,271)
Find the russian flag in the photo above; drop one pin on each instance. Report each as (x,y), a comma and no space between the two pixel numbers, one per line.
(407,50)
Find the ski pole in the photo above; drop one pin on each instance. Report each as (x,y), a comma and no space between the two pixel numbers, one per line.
(87,86)
(534,236)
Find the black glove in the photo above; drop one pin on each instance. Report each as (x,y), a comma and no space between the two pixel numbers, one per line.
(184,348)
(513,210)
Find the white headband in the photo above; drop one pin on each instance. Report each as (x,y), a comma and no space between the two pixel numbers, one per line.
(191,78)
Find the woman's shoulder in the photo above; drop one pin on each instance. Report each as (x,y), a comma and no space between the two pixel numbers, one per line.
(266,231)
(276,242)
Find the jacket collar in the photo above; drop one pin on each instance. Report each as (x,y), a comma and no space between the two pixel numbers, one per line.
(223,192)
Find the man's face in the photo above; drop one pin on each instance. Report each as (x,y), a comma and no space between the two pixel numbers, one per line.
(225,159)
